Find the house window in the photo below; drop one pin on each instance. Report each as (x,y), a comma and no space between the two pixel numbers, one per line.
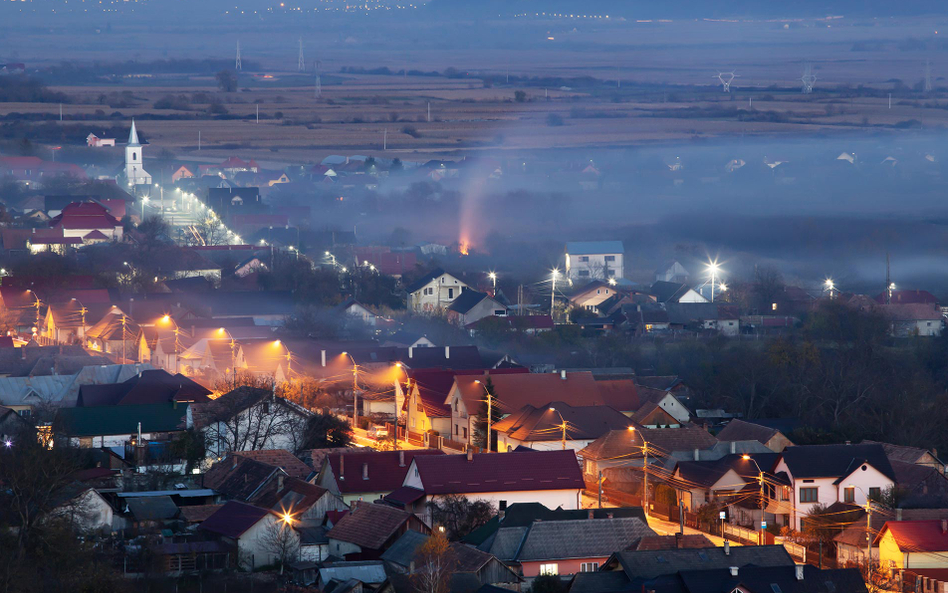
(875,494)
(849,494)
(552,569)
(465,432)
(450,293)
(611,273)
(25,413)
(809,494)
(773,306)
(413,423)
(456,431)
(584,258)
(266,407)
(588,567)
(610,258)
(784,493)
(584,273)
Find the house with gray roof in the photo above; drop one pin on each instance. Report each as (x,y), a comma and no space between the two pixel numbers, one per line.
(27,395)
(594,260)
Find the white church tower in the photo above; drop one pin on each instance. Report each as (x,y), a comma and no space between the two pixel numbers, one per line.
(134,172)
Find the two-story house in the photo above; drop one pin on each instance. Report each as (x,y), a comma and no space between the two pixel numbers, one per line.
(594,260)
(826,474)
(434,291)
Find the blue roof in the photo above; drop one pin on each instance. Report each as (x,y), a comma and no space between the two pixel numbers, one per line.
(594,247)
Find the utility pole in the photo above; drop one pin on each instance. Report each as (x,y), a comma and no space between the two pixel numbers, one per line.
(429,112)
(258,113)
(123,339)
(490,411)
(385,139)
(760,477)
(199,140)
(868,537)
(600,489)
(553,294)
(888,281)
(645,482)
(301,65)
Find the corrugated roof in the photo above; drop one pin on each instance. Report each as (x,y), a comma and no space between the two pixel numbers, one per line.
(233,519)
(489,472)
(585,538)
(122,420)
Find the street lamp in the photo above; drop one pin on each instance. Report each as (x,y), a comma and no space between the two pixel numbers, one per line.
(144,201)
(553,275)
(490,402)
(355,390)
(493,279)
(760,478)
(644,470)
(177,330)
(713,270)
(829,286)
(332,258)
(563,425)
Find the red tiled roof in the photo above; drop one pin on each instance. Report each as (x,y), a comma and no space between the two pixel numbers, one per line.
(500,472)
(369,525)
(542,424)
(918,536)
(434,385)
(621,394)
(513,391)
(280,458)
(384,472)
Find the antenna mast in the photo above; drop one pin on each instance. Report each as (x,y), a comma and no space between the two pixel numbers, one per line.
(237,64)
(302,63)
(928,76)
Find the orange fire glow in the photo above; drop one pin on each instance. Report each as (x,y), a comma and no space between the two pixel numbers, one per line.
(464,247)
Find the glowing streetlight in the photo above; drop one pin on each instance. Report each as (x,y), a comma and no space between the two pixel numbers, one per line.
(722,287)
(713,270)
(563,425)
(612,282)
(553,275)
(493,278)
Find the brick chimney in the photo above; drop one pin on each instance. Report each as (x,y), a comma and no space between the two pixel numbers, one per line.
(944,526)
(401,458)
(365,471)
(447,352)
(280,482)
(342,467)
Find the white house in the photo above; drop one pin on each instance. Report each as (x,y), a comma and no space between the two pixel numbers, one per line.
(592,260)
(262,536)
(85,508)
(434,291)
(552,478)
(826,474)
(95,142)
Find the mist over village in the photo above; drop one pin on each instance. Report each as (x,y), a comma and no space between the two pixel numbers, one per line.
(532,296)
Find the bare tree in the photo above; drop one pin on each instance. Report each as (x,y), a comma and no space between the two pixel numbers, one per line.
(458,515)
(434,564)
(251,419)
(281,540)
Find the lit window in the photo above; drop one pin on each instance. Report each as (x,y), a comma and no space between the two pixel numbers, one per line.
(549,569)
(774,306)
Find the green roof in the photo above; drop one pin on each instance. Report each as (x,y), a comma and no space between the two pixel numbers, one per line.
(110,420)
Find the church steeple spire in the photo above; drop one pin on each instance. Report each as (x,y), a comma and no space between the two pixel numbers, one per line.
(133,136)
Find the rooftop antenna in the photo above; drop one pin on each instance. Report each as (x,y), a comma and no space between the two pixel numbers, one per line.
(319,83)
(301,66)
(808,79)
(726,78)
(928,76)
(237,62)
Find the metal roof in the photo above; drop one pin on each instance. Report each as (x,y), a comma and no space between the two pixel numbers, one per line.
(63,389)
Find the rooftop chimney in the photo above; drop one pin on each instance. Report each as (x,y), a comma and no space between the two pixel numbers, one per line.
(591,514)
(799,568)
(342,467)
(678,537)
(563,375)
(898,514)
(322,356)
(733,447)
(610,516)
(733,571)
(470,454)
(233,459)
(365,471)
(849,442)
(279,482)
(401,458)
(447,351)
(727,548)
(697,455)
(411,350)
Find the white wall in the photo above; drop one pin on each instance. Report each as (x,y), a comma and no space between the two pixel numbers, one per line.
(505,442)
(254,549)
(674,407)
(594,266)
(830,492)
(437,294)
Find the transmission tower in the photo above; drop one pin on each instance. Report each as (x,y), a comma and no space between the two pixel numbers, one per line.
(726,78)
(237,65)
(302,63)
(928,76)
(808,79)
